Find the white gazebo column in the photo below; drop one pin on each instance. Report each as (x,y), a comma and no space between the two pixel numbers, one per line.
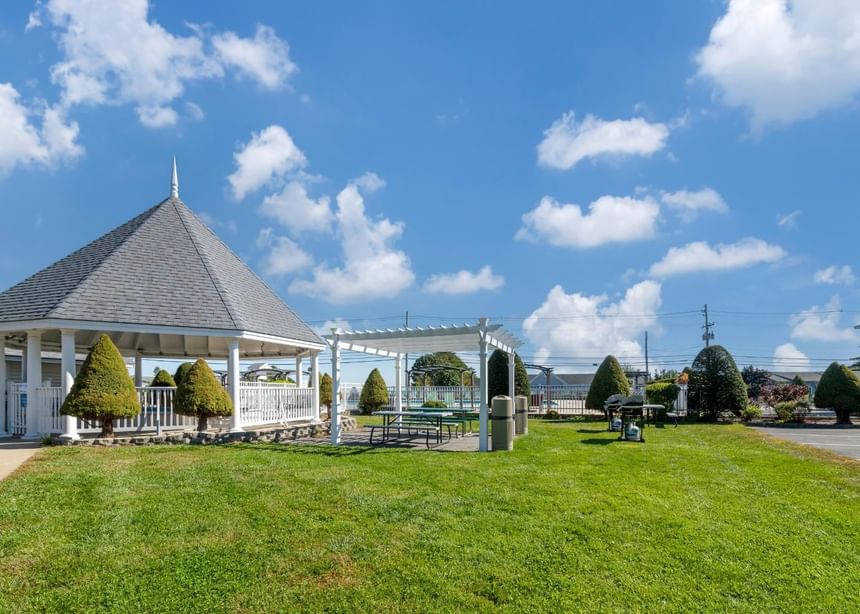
(484,421)
(68,370)
(233,383)
(512,375)
(5,417)
(335,388)
(398,383)
(299,372)
(34,379)
(315,384)
(138,370)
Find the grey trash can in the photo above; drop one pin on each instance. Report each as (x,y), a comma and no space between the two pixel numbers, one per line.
(503,423)
(521,415)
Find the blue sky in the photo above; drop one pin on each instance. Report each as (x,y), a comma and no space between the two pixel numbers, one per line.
(593,171)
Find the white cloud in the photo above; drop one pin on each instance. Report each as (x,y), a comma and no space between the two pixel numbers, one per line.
(284,256)
(787,357)
(23,143)
(788,221)
(264,58)
(372,268)
(268,156)
(687,204)
(817,324)
(609,219)
(578,325)
(566,143)
(785,60)
(835,275)
(293,208)
(325,327)
(464,282)
(700,256)
(369,182)
(113,53)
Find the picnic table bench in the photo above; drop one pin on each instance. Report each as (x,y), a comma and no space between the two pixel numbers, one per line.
(411,423)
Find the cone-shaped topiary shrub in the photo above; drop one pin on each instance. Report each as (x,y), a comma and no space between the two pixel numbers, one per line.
(103,389)
(716,384)
(201,394)
(608,380)
(497,370)
(374,394)
(181,371)
(325,392)
(839,390)
(163,379)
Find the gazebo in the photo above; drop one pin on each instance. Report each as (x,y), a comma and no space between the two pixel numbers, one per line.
(395,343)
(160,285)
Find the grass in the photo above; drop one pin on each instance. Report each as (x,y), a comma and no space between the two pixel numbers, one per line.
(701,517)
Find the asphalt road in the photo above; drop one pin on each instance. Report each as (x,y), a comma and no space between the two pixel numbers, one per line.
(844,441)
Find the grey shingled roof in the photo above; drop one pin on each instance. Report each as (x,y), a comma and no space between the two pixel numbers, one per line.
(164,267)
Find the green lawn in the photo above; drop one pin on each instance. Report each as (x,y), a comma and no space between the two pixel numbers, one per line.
(701,517)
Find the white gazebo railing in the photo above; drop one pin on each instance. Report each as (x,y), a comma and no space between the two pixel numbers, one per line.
(265,403)
(16,400)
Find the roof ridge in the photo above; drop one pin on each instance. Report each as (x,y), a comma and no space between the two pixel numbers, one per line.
(137,222)
(222,294)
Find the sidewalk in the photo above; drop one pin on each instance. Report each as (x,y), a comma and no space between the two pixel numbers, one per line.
(13,453)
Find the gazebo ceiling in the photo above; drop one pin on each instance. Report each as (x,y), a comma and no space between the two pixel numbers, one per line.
(425,340)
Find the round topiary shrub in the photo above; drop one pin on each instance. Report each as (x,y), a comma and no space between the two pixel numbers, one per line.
(325,392)
(497,371)
(201,394)
(662,393)
(839,390)
(181,371)
(103,390)
(163,379)
(716,384)
(374,393)
(608,380)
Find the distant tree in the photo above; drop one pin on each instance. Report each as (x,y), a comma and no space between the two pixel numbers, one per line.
(181,371)
(755,379)
(325,391)
(201,394)
(497,375)
(440,377)
(608,380)
(662,393)
(716,384)
(374,393)
(162,379)
(782,393)
(666,374)
(839,390)
(103,390)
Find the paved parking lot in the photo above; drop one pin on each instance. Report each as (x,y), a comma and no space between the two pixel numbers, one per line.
(844,441)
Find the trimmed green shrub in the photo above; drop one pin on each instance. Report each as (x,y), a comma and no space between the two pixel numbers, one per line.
(435,404)
(608,380)
(662,393)
(552,414)
(181,371)
(201,394)
(163,379)
(785,410)
(103,389)
(497,371)
(839,390)
(751,412)
(440,378)
(716,384)
(374,393)
(325,391)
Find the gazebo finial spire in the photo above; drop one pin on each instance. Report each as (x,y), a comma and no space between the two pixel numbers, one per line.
(174,181)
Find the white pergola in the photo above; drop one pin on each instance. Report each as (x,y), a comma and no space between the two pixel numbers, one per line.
(395,343)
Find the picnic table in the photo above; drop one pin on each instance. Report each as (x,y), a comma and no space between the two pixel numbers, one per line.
(412,422)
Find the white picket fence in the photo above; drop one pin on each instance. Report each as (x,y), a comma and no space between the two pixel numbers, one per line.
(261,404)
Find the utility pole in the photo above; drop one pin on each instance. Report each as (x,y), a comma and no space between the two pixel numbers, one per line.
(708,334)
(647,370)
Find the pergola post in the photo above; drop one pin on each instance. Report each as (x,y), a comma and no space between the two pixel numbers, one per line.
(138,370)
(298,371)
(34,380)
(335,388)
(484,420)
(233,383)
(512,376)
(68,370)
(315,384)
(5,418)
(398,383)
